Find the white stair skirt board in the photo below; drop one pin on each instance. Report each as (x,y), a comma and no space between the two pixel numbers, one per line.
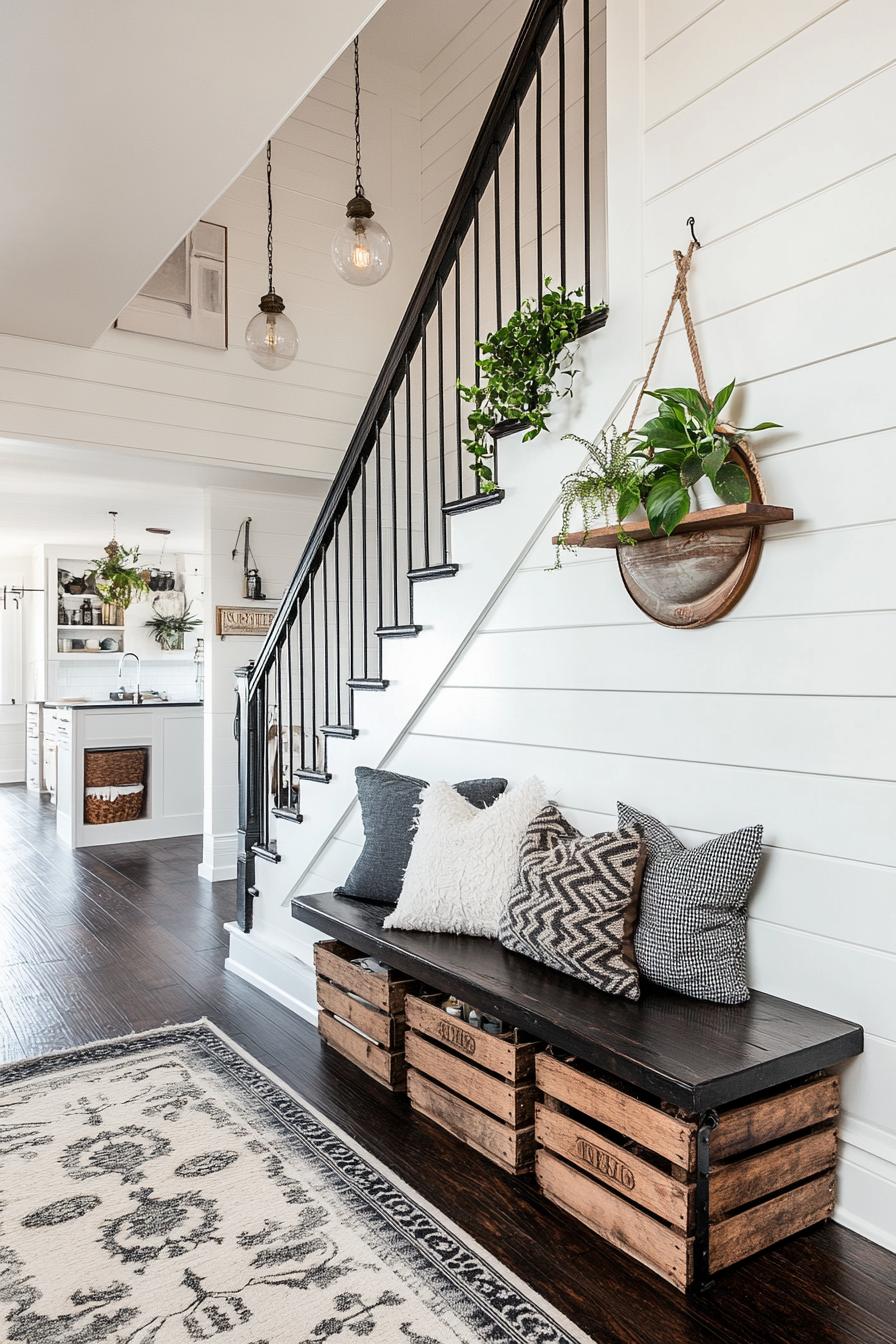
(218,857)
(285,976)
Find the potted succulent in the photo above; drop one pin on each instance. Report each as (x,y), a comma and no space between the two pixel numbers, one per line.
(524,365)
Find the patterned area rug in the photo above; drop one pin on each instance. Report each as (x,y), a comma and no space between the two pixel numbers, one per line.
(164,1188)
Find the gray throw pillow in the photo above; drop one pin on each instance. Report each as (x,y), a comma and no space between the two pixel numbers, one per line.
(692,930)
(575,902)
(389,812)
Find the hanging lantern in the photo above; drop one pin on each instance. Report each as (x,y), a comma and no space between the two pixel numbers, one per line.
(271,338)
(361,248)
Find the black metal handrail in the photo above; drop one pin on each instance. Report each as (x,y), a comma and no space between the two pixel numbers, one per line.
(384,523)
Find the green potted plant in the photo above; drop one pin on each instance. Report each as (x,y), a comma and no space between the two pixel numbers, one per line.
(658,465)
(524,365)
(168,629)
(119,579)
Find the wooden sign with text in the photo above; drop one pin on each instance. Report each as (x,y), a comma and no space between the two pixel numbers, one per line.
(243,620)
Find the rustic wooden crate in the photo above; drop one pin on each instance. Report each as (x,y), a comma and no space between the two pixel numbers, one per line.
(481,1088)
(627,1167)
(370,1034)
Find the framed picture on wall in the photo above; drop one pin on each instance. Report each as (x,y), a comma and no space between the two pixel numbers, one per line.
(186,299)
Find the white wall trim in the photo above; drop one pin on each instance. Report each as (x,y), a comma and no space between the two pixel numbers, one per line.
(287,979)
(218,857)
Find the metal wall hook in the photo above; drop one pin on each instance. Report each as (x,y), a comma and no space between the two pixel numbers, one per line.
(690,223)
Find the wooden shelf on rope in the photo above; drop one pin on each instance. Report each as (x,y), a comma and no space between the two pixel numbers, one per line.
(703,520)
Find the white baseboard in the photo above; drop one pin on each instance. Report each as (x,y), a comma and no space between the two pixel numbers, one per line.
(283,976)
(15,776)
(218,857)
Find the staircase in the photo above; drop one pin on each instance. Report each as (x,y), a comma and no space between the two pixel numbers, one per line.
(522,211)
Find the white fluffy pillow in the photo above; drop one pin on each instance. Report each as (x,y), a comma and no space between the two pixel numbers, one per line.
(464,861)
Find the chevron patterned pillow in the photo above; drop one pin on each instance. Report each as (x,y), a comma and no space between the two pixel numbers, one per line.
(692,931)
(575,902)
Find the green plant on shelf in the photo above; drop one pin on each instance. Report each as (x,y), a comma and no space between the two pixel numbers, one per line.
(523,366)
(168,629)
(657,466)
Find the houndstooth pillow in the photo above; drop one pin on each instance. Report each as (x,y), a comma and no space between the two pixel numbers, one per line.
(575,902)
(692,931)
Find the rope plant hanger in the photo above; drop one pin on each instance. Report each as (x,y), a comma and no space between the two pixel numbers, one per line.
(683,568)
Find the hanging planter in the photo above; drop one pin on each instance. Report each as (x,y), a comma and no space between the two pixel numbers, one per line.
(168,628)
(683,567)
(118,578)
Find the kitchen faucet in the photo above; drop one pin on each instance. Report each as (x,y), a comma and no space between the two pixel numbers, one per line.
(136,659)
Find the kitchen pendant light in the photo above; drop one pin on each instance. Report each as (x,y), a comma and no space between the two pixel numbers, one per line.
(271,338)
(361,249)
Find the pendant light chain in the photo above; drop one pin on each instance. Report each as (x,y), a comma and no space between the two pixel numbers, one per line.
(359,190)
(270,227)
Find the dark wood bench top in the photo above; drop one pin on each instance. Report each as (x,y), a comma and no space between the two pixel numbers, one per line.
(695,1055)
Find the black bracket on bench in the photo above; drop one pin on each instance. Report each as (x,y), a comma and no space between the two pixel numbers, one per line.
(702,1276)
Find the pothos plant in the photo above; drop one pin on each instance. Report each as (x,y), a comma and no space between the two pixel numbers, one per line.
(658,465)
(523,365)
(118,576)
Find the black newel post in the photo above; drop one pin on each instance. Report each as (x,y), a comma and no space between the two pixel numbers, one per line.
(245,730)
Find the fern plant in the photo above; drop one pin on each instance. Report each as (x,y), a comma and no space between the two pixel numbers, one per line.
(606,489)
(524,365)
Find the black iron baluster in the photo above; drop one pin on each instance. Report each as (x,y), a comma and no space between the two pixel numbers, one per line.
(278,751)
(351,583)
(443,517)
(325,606)
(409,466)
(477,374)
(290,718)
(300,623)
(423,432)
(460,451)
(337,622)
(539,223)
(313,659)
(264,801)
(561,93)
(497,184)
(517,250)
(379,561)
(586,138)
(394,517)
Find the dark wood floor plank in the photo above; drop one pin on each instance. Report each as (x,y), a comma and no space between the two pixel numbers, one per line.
(109,941)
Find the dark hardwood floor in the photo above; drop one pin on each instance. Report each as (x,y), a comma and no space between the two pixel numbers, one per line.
(117,939)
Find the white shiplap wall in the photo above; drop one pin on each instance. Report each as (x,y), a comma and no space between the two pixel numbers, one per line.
(772,124)
(143,393)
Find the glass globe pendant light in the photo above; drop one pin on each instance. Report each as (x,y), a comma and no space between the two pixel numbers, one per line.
(271,338)
(361,248)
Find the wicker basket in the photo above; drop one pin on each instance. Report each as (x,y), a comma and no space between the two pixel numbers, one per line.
(118,768)
(99,811)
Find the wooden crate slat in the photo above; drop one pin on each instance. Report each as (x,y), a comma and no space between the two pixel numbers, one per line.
(661,1133)
(333,961)
(756,1228)
(512,1104)
(744,1127)
(386,1066)
(641,1236)
(383,1027)
(511,1148)
(615,1166)
(750,1178)
(513,1061)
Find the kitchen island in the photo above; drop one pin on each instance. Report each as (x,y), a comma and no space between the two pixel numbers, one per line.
(170,735)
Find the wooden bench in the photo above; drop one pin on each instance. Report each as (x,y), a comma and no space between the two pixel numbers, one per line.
(689,1134)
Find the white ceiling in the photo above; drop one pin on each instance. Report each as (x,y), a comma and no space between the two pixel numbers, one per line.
(413,32)
(121,121)
(52,494)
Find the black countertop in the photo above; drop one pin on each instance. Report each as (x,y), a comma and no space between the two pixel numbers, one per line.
(124,704)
